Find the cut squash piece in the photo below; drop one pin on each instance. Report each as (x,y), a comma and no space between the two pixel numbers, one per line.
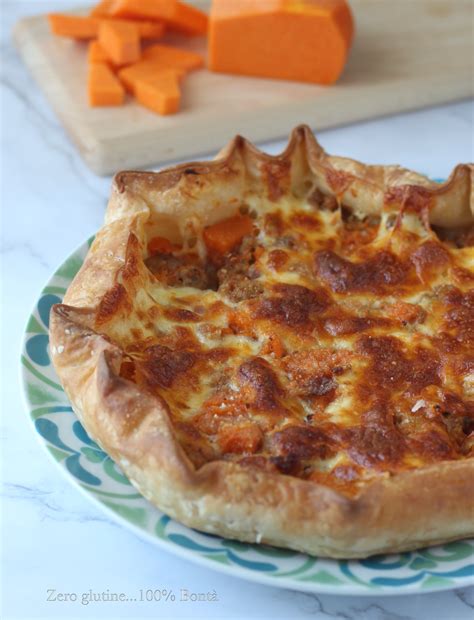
(150,30)
(173,57)
(177,15)
(120,41)
(303,40)
(96,53)
(79,27)
(224,236)
(103,87)
(145,70)
(160,94)
(73,26)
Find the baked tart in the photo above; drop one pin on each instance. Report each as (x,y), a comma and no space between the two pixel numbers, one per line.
(280,349)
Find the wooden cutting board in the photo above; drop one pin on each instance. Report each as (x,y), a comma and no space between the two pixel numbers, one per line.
(407,54)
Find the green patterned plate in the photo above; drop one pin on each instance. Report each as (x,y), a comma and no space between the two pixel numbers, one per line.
(437,568)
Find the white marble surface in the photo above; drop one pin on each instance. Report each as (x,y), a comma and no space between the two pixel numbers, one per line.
(52,537)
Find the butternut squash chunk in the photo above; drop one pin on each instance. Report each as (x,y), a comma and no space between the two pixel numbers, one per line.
(173,57)
(104,89)
(303,40)
(120,41)
(144,70)
(177,15)
(96,53)
(73,26)
(160,93)
(150,30)
(80,27)
(224,236)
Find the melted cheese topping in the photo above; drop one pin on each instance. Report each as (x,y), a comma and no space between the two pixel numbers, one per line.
(325,346)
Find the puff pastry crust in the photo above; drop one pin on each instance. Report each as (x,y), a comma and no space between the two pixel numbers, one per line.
(427,500)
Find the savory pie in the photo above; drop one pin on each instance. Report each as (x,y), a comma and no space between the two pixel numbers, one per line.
(280,349)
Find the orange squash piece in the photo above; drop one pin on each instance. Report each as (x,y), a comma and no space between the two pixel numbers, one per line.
(79,27)
(150,30)
(177,15)
(160,94)
(73,26)
(96,53)
(173,57)
(145,70)
(120,41)
(304,40)
(156,59)
(224,236)
(104,89)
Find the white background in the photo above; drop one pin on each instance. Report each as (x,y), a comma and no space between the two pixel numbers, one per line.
(52,538)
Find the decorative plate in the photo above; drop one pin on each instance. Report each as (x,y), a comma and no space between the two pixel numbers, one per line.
(437,568)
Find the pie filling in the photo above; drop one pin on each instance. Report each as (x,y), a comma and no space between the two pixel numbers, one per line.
(299,337)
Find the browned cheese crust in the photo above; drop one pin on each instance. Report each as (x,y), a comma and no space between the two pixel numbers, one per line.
(310,385)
